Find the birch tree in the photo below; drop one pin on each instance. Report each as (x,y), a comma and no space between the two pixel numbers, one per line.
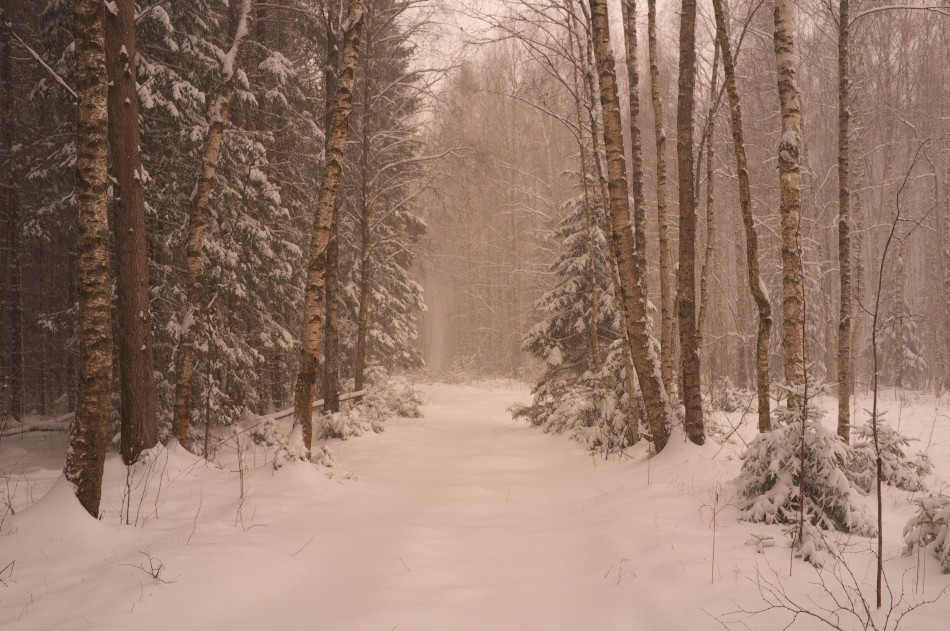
(315,298)
(790,208)
(631,290)
(219,113)
(88,438)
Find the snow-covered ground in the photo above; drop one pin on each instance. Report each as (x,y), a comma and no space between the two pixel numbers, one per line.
(464,519)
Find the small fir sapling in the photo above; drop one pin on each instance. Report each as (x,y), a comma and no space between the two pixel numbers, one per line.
(770,485)
(898,468)
(930,529)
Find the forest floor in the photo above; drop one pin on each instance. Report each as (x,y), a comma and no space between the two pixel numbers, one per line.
(463,519)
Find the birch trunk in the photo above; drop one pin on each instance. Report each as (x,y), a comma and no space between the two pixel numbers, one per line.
(686,277)
(88,438)
(844,236)
(710,205)
(139,429)
(756,285)
(219,112)
(631,291)
(789,167)
(667,317)
(315,296)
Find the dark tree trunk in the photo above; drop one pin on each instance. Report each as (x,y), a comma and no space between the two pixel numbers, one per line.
(136,373)
(844,234)
(686,280)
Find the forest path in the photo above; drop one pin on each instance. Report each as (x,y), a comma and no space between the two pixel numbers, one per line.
(468,519)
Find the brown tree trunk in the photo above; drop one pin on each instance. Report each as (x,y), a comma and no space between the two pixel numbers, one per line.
(686,277)
(136,374)
(789,167)
(844,236)
(631,289)
(219,112)
(366,218)
(315,296)
(88,438)
(756,285)
(667,317)
(11,377)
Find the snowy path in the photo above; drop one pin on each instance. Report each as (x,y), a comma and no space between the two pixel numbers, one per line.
(462,520)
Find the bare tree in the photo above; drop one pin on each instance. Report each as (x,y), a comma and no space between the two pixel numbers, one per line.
(686,278)
(631,289)
(756,285)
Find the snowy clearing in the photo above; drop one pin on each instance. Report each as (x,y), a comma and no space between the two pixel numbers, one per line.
(464,519)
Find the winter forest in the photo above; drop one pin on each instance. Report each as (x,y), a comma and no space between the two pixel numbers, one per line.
(475,314)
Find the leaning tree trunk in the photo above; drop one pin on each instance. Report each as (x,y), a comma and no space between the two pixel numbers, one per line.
(789,168)
(631,290)
(844,236)
(630,381)
(686,278)
(88,438)
(756,285)
(667,317)
(315,298)
(139,428)
(219,112)
(11,377)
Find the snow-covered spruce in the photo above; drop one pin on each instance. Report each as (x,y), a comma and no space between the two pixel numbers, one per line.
(769,481)
(581,388)
(930,529)
(898,467)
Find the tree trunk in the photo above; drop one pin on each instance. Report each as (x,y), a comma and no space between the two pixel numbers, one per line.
(756,285)
(667,317)
(88,438)
(631,289)
(136,374)
(219,112)
(315,298)
(686,277)
(844,236)
(11,378)
(331,368)
(789,167)
(630,382)
(710,205)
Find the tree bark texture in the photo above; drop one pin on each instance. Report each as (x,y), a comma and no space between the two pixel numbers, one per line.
(710,203)
(667,316)
(139,428)
(756,285)
(789,168)
(632,294)
(686,278)
(844,235)
(88,438)
(219,112)
(11,316)
(315,298)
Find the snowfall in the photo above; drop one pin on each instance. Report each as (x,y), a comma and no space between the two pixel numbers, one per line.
(462,519)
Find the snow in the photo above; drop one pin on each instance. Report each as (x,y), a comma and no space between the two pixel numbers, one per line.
(464,519)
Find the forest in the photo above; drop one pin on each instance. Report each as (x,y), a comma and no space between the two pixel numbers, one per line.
(388,271)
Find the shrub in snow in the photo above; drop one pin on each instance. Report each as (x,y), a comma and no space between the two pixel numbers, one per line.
(383,400)
(930,529)
(725,397)
(769,480)
(897,467)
